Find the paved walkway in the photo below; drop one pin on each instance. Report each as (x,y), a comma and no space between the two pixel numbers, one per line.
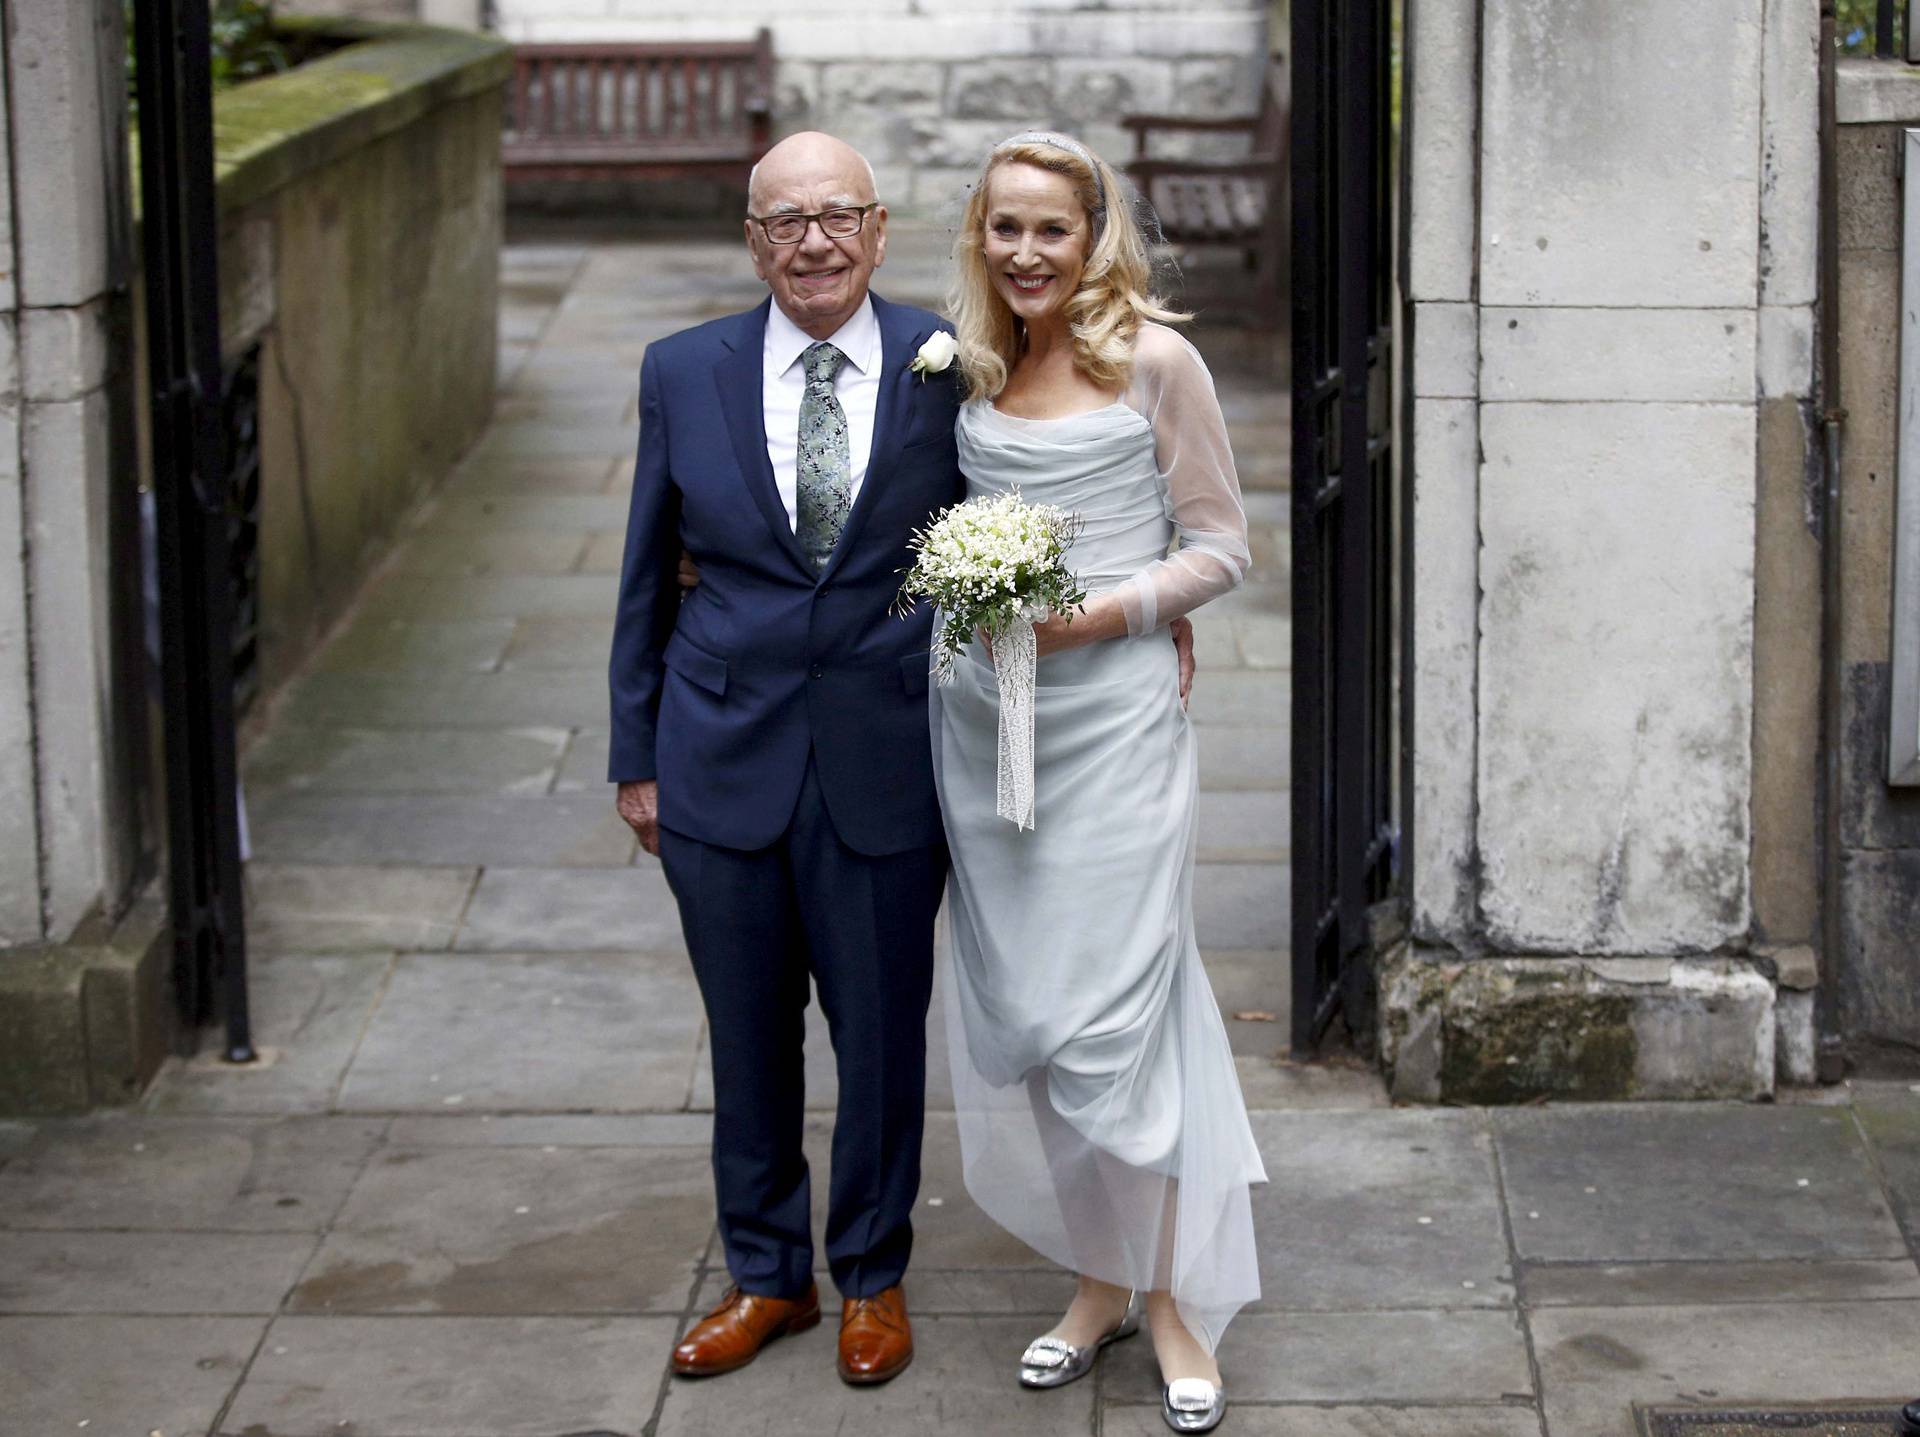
(466,1192)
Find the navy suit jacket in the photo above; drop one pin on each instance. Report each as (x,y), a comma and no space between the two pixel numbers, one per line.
(722,697)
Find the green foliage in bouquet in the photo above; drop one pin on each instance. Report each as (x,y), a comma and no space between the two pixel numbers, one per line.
(988,563)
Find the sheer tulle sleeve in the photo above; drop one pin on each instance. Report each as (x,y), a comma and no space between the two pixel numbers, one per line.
(1173,391)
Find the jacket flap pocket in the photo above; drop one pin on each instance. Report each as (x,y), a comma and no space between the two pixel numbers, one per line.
(913,672)
(696,665)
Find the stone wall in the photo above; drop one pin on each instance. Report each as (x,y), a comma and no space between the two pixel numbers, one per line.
(1879,978)
(1611,275)
(923,87)
(360,232)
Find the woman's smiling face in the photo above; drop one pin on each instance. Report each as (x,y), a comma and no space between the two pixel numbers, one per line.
(1037,239)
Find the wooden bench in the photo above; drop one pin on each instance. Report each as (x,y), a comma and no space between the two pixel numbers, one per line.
(641,111)
(1240,203)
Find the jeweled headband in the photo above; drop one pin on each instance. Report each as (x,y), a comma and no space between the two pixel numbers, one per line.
(1073,147)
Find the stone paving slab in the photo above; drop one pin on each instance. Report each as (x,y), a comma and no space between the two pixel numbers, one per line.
(298,908)
(517,596)
(1664,1284)
(1889,1115)
(539,475)
(1245,826)
(151,1174)
(1214,646)
(542,439)
(521,514)
(550,644)
(1277,1082)
(565,1130)
(1240,905)
(960,1374)
(584,769)
(467,553)
(1263,641)
(449,700)
(604,554)
(578,910)
(441,830)
(373,643)
(1244,757)
(309,1011)
(517,1230)
(356,760)
(1692,1181)
(1423,1421)
(1596,1362)
(167,1374)
(1376,1210)
(150,1273)
(1240,697)
(529,1032)
(1430,1357)
(452,1377)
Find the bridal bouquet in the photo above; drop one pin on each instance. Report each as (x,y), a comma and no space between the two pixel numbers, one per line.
(997,565)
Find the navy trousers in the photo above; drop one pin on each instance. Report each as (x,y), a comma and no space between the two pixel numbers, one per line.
(758,925)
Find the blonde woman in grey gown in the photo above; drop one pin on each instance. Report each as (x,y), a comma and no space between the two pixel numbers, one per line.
(1100,1115)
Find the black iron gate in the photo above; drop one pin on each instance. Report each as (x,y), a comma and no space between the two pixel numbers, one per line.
(1345,845)
(191,467)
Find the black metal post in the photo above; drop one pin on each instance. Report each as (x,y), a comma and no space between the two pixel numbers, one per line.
(1344,841)
(179,236)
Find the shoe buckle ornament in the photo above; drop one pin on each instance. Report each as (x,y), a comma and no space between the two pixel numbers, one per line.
(1048,1352)
(1190,1394)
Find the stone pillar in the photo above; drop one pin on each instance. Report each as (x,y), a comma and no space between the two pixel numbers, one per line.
(1610,270)
(1879,908)
(71,689)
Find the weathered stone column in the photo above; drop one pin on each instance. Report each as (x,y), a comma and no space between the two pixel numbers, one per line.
(71,689)
(1611,269)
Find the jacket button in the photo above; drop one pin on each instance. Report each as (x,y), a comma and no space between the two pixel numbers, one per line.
(816,672)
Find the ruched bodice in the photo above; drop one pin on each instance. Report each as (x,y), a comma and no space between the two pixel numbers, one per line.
(1098,465)
(1100,1113)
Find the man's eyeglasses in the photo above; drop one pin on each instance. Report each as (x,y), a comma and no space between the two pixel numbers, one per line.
(834,224)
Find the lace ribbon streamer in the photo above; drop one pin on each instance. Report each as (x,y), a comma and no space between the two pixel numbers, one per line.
(1015,659)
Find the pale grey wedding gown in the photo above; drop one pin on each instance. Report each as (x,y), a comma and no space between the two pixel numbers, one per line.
(1100,1115)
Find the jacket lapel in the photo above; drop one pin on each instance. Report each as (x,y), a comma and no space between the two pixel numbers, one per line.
(740,381)
(892,409)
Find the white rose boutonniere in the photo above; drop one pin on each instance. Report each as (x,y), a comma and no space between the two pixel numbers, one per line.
(935,355)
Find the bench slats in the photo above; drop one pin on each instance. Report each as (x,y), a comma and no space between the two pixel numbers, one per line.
(639,109)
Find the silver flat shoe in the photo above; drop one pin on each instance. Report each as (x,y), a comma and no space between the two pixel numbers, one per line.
(1049,1362)
(1193,1404)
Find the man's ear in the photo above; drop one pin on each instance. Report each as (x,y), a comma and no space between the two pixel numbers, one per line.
(879,236)
(753,249)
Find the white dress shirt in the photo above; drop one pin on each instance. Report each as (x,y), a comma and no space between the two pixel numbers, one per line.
(784,383)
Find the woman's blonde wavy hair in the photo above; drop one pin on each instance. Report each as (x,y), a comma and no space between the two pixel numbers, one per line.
(1104,312)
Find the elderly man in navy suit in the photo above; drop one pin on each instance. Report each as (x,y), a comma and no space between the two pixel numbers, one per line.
(770,740)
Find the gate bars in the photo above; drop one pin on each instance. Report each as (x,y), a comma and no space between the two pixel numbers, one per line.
(1345,844)
(173,58)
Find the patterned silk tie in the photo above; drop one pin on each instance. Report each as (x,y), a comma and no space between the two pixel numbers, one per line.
(825,471)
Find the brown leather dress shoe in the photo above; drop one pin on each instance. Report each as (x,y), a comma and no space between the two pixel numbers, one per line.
(876,1340)
(733,1333)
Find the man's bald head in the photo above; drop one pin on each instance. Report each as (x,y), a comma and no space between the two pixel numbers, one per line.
(807,154)
(819,282)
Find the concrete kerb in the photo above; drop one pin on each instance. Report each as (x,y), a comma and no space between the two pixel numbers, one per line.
(86,1023)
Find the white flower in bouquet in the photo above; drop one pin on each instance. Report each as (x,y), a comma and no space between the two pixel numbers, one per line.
(988,564)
